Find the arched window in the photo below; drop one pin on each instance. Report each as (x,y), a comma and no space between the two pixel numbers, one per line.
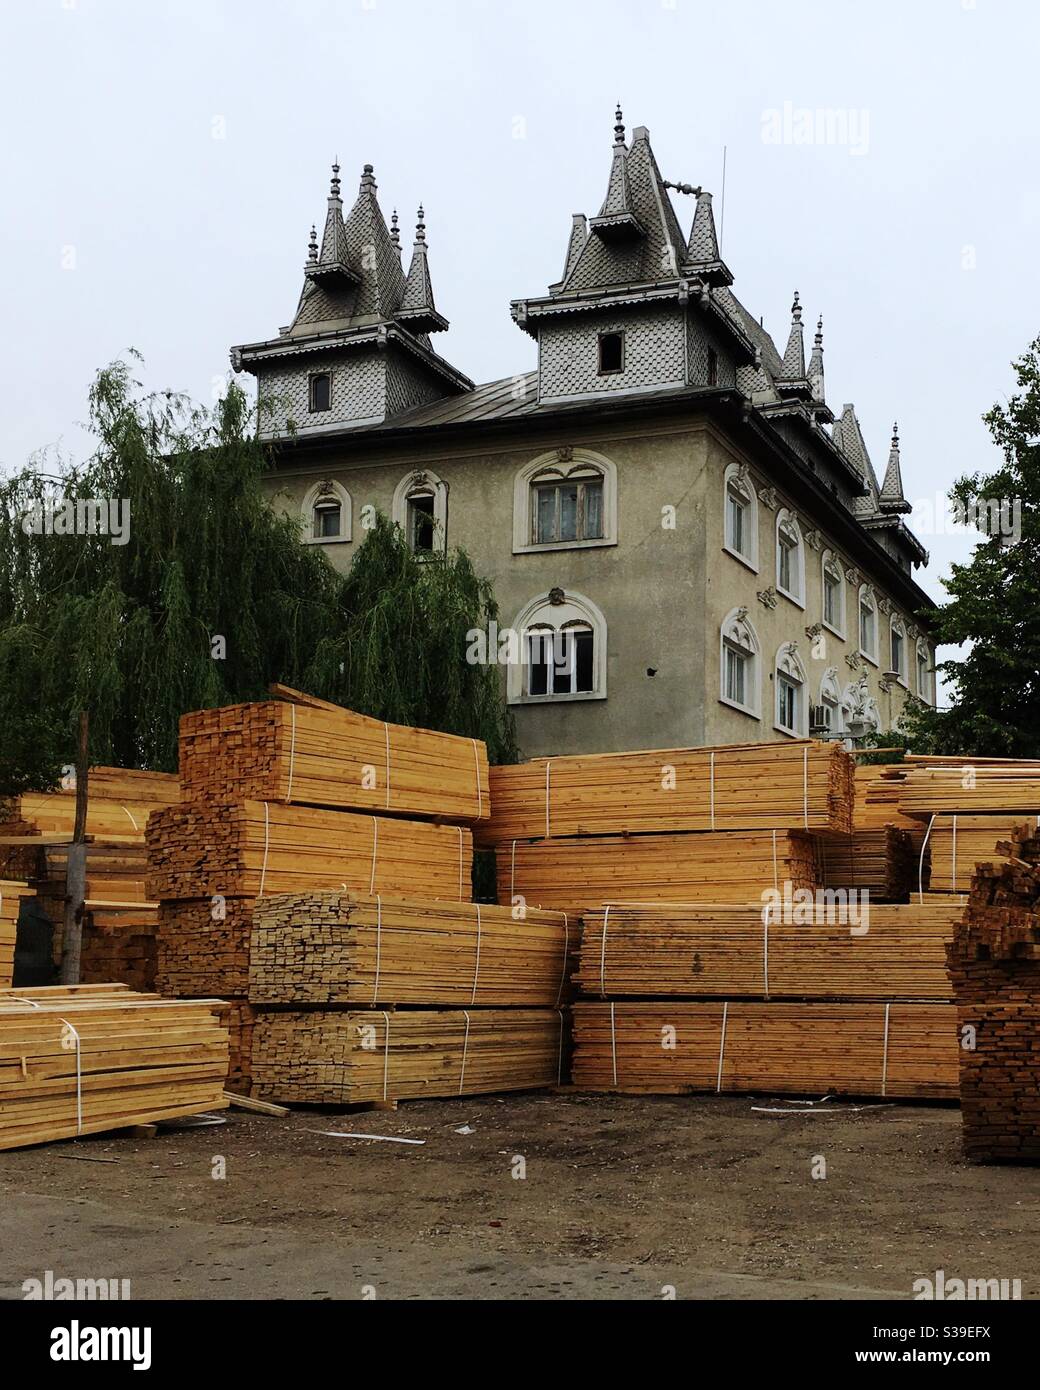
(790,557)
(320,392)
(562,648)
(739,663)
(789,678)
(833,576)
(829,718)
(327,514)
(924,673)
(868,623)
(420,508)
(741,516)
(897,649)
(564,500)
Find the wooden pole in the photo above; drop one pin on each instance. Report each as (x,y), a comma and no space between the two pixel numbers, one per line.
(76,866)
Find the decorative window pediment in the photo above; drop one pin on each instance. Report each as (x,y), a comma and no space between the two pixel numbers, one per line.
(564,500)
(327,514)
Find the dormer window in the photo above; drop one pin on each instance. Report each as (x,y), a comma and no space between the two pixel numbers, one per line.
(320,392)
(611,353)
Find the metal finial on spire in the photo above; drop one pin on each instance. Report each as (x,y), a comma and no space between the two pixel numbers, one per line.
(895,435)
(368,181)
(395,234)
(420,226)
(818,340)
(335,177)
(312,245)
(796,308)
(619,126)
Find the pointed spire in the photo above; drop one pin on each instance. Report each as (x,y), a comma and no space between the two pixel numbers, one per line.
(794,357)
(575,246)
(702,252)
(815,372)
(891,497)
(331,267)
(616,221)
(374,253)
(417,309)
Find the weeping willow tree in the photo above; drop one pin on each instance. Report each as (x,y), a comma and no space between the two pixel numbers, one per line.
(398,648)
(154,579)
(157,578)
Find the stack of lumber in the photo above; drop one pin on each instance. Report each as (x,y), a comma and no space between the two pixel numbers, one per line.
(994,963)
(86,1059)
(748,787)
(970,787)
(306,751)
(744,951)
(342,1057)
(580,874)
(866,1049)
(251,848)
(957,843)
(119,802)
(119,947)
(11,895)
(203,946)
(239,1018)
(878,789)
(880,861)
(341,948)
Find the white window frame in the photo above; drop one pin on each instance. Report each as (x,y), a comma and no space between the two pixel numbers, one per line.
(733,478)
(897,626)
(314,495)
(830,560)
(788,664)
(541,612)
(926,691)
(753,686)
(867,593)
(421,482)
(551,465)
(796,595)
(831,696)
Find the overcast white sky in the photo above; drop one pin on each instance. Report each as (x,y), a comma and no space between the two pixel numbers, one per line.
(163,160)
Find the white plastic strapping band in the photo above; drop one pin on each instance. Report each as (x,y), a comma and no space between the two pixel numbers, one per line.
(292,753)
(386,730)
(722,1046)
(512,871)
(462,895)
(563,963)
(805,784)
(79,1075)
(776,883)
(613,1043)
(379,946)
(559,1057)
(386,1050)
(476,963)
(603,953)
(884,1060)
(267,848)
(765,949)
(375,851)
(465,1050)
(953,866)
(132,821)
(711,789)
(920,866)
(480,790)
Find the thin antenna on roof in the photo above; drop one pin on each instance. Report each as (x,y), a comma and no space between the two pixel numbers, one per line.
(722,210)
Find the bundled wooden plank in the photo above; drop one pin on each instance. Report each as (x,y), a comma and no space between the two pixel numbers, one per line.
(994,963)
(581,874)
(766,786)
(119,946)
(119,803)
(322,1057)
(827,951)
(203,946)
(340,948)
(86,1059)
(878,789)
(11,894)
(957,843)
(239,1018)
(970,787)
(855,1049)
(325,756)
(880,861)
(250,848)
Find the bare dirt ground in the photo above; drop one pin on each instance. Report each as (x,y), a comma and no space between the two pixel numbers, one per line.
(622,1198)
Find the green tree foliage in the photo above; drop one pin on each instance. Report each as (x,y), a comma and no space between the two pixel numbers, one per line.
(212,597)
(994,604)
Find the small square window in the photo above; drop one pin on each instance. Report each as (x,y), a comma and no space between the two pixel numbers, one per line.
(611,353)
(321,392)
